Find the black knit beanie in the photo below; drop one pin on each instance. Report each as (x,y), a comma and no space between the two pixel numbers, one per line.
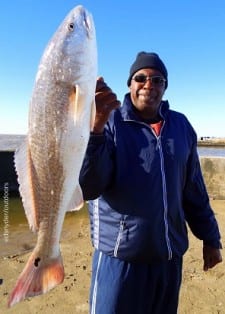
(148,60)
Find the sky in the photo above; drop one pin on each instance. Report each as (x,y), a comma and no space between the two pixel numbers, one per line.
(189,37)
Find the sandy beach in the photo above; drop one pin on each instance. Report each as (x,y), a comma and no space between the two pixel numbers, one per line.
(201,293)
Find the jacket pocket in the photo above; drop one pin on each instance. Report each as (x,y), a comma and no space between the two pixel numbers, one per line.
(119,237)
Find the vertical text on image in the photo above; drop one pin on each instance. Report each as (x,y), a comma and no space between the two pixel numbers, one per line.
(6,212)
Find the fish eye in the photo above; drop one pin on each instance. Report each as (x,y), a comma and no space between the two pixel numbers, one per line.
(71,27)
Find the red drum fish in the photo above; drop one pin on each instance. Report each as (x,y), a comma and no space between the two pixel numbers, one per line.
(62,108)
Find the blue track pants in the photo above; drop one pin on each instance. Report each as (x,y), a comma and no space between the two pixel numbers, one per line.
(120,287)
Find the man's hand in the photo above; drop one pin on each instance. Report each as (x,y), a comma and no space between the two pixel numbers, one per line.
(106,101)
(211,257)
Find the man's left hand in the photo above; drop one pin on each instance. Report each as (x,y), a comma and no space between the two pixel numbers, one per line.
(211,257)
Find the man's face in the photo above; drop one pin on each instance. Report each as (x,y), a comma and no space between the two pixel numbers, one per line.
(146,96)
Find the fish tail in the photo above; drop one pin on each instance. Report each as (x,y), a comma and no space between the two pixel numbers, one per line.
(38,277)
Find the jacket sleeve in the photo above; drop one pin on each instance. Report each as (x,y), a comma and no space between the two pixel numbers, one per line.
(97,170)
(198,212)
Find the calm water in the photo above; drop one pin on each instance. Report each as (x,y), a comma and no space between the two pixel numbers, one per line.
(211,151)
(15,235)
(11,142)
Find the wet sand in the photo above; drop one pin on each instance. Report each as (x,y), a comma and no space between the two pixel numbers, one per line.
(201,293)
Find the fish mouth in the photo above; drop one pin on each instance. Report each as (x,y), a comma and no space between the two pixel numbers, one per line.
(88,23)
(86,20)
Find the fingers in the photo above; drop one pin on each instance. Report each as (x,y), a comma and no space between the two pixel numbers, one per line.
(210,263)
(211,257)
(100,84)
(104,97)
(100,78)
(106,101)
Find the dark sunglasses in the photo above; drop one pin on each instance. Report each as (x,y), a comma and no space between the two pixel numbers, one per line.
(156,80)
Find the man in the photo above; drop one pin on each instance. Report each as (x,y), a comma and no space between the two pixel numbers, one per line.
(142,173)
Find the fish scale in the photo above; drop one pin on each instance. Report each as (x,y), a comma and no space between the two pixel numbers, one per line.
(48,163)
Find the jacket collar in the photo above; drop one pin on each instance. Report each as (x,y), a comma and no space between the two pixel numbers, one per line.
(128,112)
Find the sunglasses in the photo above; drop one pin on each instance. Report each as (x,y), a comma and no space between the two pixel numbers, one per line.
(156,80)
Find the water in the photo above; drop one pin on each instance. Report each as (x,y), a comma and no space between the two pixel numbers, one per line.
(15,235)
(211,151)
(11,142)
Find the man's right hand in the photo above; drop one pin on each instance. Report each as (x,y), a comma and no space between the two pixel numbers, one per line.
(106,101)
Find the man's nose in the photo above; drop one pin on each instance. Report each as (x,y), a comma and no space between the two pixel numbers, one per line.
(148,83)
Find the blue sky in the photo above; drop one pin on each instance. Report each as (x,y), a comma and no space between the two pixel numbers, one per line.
(189,36)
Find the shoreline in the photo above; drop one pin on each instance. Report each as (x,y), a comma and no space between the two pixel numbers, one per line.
(10,142)
(211,144)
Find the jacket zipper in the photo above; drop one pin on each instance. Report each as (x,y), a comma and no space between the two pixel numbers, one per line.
(165,204)
(119,237)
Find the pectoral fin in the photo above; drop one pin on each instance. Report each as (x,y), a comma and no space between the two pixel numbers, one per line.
(75,103)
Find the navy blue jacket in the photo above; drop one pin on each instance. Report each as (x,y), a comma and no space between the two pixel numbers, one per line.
(143,188)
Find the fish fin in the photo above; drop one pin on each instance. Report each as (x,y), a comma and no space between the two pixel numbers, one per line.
(77,103)
(37,278)
(24,167)
(77,200)
(74,103)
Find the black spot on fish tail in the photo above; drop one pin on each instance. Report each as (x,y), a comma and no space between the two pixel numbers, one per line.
(36,261)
